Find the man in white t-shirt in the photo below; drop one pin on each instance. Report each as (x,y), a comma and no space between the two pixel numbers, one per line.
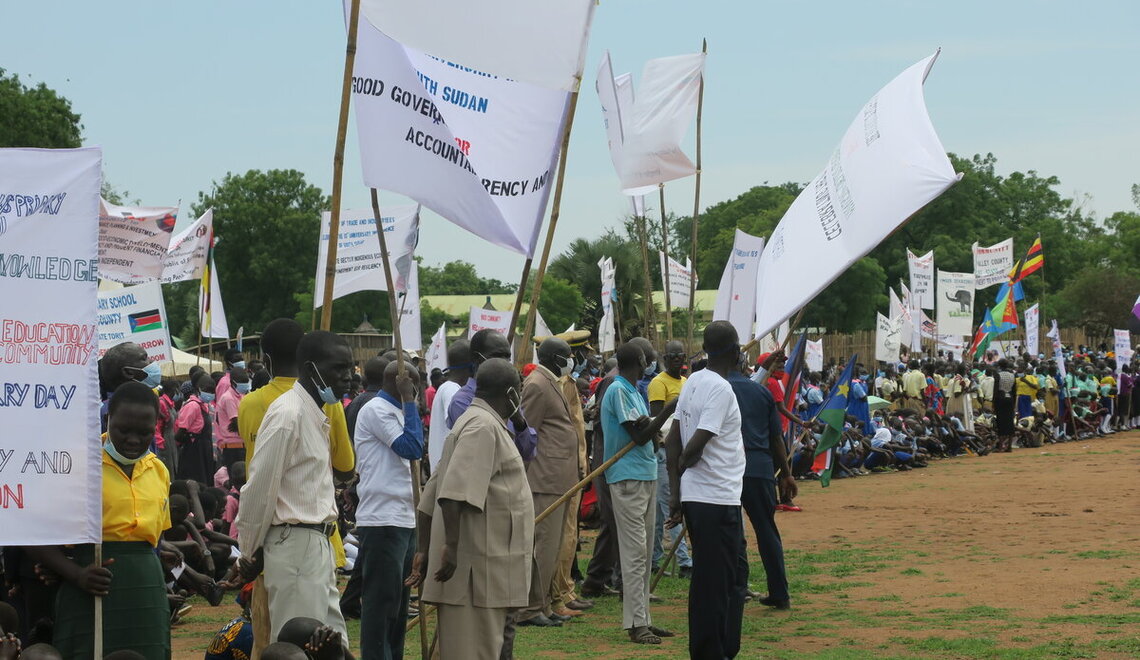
(389,435)
(458,373)
(706,470)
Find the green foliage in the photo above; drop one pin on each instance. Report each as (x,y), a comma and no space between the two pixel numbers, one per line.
(36,116)
(1099,299)
(430,320)
(459,278)
(579,265)
(559,303)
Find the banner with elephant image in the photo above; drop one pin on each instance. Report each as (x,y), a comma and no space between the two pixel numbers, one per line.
(955,294)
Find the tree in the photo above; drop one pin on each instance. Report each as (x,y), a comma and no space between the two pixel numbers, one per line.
(579,265)
(1098,299)
(266,223)
(36,116)
(459,278)
(560,302)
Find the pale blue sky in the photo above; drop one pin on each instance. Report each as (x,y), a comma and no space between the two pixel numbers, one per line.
(178,94)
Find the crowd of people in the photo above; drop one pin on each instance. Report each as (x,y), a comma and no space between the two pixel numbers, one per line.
(275,477)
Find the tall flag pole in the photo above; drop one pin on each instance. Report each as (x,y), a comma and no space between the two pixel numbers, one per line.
(696,203)
(665,271)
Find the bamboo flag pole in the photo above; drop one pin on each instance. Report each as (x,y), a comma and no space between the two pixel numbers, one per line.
(650,308)
(395,314)
(338,167)
(519,296)
(556,208)
(696,203)
(668,558)
(665,266)
(97,642)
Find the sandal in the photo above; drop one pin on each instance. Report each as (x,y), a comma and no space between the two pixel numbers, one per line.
(642,635)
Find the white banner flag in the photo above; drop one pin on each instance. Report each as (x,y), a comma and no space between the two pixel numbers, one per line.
(213,317)
(359,265)
(773,340)
(133,241)
(408,304)
(887,338)
(186,258)
(663,109)
(1122,348)
(478,149)
(955,303)
(51,455)
(954,346)
(136,314)
(607,327)
(736,295)
(616,96)
(922,278)
(679,276)
(1054,336)
(992,264)
(541,330)
(1032,323)
(813,355)
(910,303)
(902,313)
(480,319)
(436,357)
(888,165)
(542,43)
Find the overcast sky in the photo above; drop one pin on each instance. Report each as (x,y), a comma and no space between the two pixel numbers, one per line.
(179,94)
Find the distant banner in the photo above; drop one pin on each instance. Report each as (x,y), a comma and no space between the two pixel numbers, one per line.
(922,278)
(133,241)
(813,355)
(773,340)
(408,305)
(680,276)
(952,344)
(51,455)
(482,319)
(992,264)
(1032,325)
(955,303)
(910,303)
(135,314)
(888,165)
(903,313)
(436,357)
(607,327)
(887,335)
(1054,336)
(1122,348)
(477,148)
(736,295)
(359,266)
(213,315)
(186,258)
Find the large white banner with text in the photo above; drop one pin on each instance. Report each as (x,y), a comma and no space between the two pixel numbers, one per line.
(680,279)
(887,334)
(186,258)
(136,314)
(955,303)
(992,264)
(359,264)
(921,278)
(736,295)
(133,241)
(480,319)
(50,451)
(1032,326)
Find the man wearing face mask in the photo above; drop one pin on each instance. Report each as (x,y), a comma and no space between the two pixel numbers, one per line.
(485,345)
(288,505)
(476,523)
(195,432)
(553,471)
(226,414)
(122,363)
(234,360)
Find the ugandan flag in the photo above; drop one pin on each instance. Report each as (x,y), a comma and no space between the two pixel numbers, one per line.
(1033,262)
(144,321)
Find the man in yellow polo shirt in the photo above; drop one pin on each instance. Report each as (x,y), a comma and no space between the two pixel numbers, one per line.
(279,344)
(665,387)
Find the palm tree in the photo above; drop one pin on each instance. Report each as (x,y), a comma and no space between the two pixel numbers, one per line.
(579,265)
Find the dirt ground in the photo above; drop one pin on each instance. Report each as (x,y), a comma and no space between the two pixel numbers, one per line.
(1032,554)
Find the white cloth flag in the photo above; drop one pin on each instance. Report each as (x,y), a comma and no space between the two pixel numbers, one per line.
(887,338)
(51,455)
(888,165)
(1122,348)
(213,317)
(607,331)
(992,264)
(910,303)
(478,149)
(436,357)
(954,345)
(771,341)
(540,330)
(1054,336)
(133,241)
(135,314)
(542,43)
(359,264)
(186,258)
(1032,324)
(736,295)
(616,96)
(921,278)
(480,319)
(813,355)
(955,303)
(902,313)
(408,306)
(679,279)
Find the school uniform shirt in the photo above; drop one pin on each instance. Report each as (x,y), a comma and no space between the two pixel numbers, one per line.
(135,507)
(914,383)
(226,411)
(290,474)
(166,412)
(623,403)
(385,486)
(707,403)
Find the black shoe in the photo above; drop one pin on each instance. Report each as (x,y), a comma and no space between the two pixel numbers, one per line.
(778,604)
(213,593)
(541,621)
(591,592)
(685,572)
(580,604)
(558,618)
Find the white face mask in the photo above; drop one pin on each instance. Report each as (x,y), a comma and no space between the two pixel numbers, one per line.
(515,401)
(567,367)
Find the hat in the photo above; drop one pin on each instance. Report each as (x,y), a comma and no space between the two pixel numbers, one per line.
(762,358)
(576,338)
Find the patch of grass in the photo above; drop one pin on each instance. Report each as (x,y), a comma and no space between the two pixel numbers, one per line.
(911,571)
(1101,554)
(1122,619)
(885,598)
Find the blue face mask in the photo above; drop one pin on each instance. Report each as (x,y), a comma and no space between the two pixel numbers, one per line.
(326,393)
(119,458)
(243,388)
(153,375)
(178,398)
(206,397)
(240,364)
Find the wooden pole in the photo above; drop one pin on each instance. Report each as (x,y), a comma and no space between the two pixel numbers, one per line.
(97,643)
(665,266)
(523,279)
(583,483)
(555,211)
(338,168)
(669,558)
(696,205)
(650,308)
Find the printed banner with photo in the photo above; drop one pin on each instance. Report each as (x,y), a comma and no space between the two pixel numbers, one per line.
(135,314)
(955,303)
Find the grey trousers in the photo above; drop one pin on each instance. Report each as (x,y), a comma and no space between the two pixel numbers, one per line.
(635,507)
(300,579)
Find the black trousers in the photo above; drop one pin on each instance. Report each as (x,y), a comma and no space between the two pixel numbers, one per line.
(759,501)
(384,561)
(719,580)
